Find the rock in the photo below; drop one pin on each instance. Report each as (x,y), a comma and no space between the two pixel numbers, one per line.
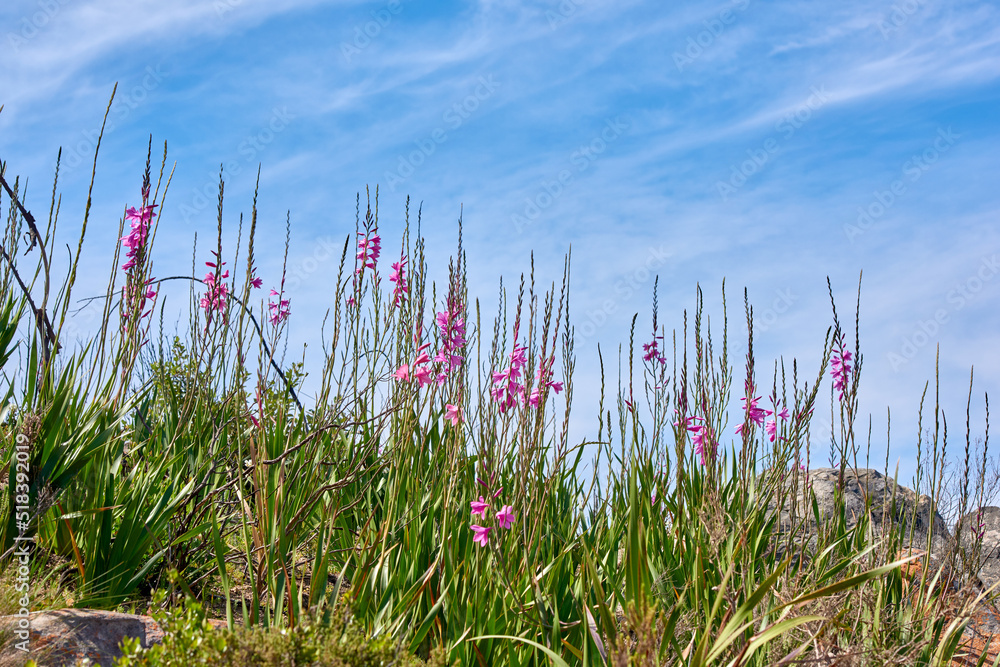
(987,561)
(890,502)
(65,636)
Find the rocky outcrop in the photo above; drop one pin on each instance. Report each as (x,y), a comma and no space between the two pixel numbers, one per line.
(888,503)
(66,636)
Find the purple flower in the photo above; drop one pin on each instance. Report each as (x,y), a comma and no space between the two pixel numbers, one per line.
(482,534)
(398,276)
(279,311)
(479,507)
(840,367)
(507,389)
(505,517)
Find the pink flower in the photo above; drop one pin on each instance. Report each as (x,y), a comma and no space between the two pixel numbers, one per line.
(479,506)
(453,413)
(452,327)
(369,249)
(423,375)
(215,298)
(505,516)
(755,414)
(398,277)
(701,437)
(542,380)
(279,311)
(652,352)
(256,282)
(507,391)
(482,534)
(402,373)
(840,367)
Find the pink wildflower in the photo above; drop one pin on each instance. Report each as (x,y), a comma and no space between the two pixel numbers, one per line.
(652,352)
(755,414)
(369,249)
(398,276)
(507,390)
(452,327)
(482,534)
(402,373)
(701,437)
(279,311)
(505,516)
(840,368)
(479,507)
(542,380)
(453,413)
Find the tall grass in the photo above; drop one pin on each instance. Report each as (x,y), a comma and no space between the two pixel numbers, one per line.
(433,491)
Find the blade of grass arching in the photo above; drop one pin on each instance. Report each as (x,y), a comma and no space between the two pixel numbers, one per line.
(850,582)
(705,655)
(76,549)
(426,623)
(607,618)
(555,657)
(772,632)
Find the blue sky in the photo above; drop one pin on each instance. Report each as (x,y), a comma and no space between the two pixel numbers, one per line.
(770,144)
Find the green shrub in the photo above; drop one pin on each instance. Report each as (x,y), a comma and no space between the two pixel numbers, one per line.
(189,639)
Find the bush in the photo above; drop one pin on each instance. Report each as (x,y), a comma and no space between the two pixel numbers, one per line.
(189,639)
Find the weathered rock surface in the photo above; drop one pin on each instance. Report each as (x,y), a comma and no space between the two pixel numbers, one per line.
(890,504)
(987,563)
(63,637)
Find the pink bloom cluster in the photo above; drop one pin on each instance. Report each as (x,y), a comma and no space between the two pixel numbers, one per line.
(215,297)
(452,332)
(136,238)
(507,389)
(452,327)
(398,276)
(135,241)
(758,416)
(504,518)
(369,249)
(651,350)
(419,370)
(840,368)
(701,437)
(543,379)
(279,311)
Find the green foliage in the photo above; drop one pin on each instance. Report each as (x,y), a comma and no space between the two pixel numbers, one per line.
(191,640)
(343,534)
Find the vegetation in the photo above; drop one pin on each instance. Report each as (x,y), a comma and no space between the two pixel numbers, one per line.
(431,496)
